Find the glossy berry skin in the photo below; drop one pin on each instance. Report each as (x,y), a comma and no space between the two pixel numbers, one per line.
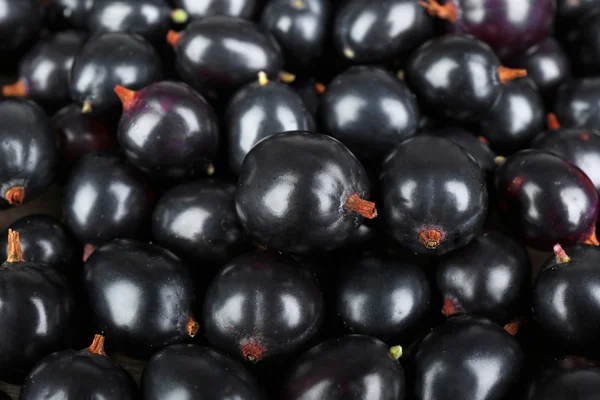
(563,299)
(434,195)
(489,277)
(44,70)
(467,358)
(301,31)
(191,371)
(368,301)
(578,146)
(169,131)
(70,13)
(207,8)
(105,198)
(532,187)
(111,59)
(257,111)
(206,61)
(293,189)
(572,383)
(20,22)
(547,66)
(148,18)
(586,45)
(29,154)
(515,119)
(310,92)
(478,149)
(249,304)
(383,38)
(576,104)
(141,295)
(42,294)
(44,239)
(454,76)
(198,222)
(79,375)
(372,370)
(369,110)
(80,134)
(497,23)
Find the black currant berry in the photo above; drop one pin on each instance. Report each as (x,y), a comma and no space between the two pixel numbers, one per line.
(141,295)
(434,195)
(577,104)
(566,384)
(262,305)
(353,367)
(302,193)
(207,8)
(20,21)
(196,372)
(87,373)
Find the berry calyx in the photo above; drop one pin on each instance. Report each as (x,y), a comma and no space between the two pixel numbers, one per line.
(396,352)
(253,352)
(449,308)
(513,326)
(15,195)
(561,255)
(430,238)
(446,12)
(192,327)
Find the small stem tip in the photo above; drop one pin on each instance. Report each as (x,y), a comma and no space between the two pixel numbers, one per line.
(449,308)
(88,249)
(15,195)
(179,16)
(263,80)
(396,352)
(173,37)
(483,140)
(86,108)
(97,346)
(298,4)
(430,238)
(126,96)
(513,326)
(192,327)
(552,122)
(14,247)
(359,206)
(446,12)
(508,74)
(500,160)
(349,53)
(561,256)
(287,77)
(320,88)
(17,89)
(253,352)
(593,240)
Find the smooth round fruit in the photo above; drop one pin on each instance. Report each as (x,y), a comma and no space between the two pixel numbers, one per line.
(368,32)
(453,65)
(87,373)
(515,119)
(563,300)
(434,195)
(489,277)
(141,295)
(148,18)
(302,193)
(548,199)
(585,46)
(45,240)
(207,60)
(262,305)
(191,371)
(111,59)
(577,104)
(300,27)
(547,66)
(369,110)
(168,130)
(198,222)
(310,91)
(20,21)
(44,71)
(206,8)
(40,293)
(352,367)
(508,27)
(106,198)
(566,384)
(578,146)
(258,110)
(70,13)
(80,134)
(382,297)
(464,355)
(477,146)
(29,151)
